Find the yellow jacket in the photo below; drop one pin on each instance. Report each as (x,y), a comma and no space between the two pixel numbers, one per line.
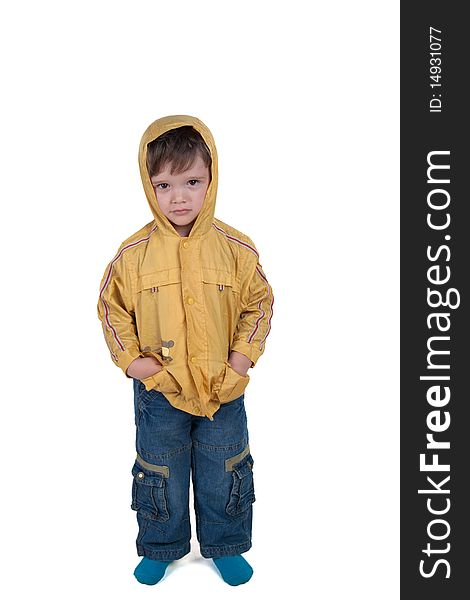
(187,301)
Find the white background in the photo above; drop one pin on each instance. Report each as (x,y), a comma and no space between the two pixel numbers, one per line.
(302,100)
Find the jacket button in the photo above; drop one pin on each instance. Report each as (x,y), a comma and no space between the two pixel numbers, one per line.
(190,301)
(193,359)
(185,244)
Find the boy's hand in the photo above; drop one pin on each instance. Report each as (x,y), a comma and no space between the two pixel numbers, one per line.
(239,362)
(143,367)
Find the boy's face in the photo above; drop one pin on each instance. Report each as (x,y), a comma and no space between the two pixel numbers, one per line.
(181,196)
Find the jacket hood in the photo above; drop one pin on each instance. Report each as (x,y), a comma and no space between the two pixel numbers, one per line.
(204,219)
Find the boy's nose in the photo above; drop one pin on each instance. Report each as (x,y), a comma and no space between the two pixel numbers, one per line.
(178,196)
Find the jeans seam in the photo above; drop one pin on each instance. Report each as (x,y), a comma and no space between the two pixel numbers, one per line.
(162,554)
(196,512)
(211,448)
(168,454)
(216,551)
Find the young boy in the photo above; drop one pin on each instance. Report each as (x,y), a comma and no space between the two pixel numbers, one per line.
(186,309)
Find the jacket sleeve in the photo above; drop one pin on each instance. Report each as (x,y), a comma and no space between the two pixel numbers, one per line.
(116,312)
(257,302)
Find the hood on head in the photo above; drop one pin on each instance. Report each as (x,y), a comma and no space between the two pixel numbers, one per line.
(153,131)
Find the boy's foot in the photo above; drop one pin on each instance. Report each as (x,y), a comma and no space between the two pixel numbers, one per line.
(150,571)
(234,569)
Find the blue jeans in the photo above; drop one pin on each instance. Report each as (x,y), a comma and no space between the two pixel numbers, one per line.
(170,445)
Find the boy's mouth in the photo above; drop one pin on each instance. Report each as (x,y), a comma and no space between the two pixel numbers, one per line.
(181,212)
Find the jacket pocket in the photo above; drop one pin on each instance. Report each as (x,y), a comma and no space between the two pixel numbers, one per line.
(220,278)
(242,493)
(232,384)
(153,281)
(155,380)
(159,311)
(222,302)
(162,381)
(149,496)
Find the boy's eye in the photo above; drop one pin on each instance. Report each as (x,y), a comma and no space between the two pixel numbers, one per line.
(193,180)
(159,184)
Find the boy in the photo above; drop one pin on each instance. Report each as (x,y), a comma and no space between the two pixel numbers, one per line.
(186,310)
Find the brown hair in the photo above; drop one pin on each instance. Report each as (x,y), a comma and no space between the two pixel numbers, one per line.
(179,147)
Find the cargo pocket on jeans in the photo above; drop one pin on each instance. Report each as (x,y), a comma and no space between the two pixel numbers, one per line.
(242,493)
(149,492)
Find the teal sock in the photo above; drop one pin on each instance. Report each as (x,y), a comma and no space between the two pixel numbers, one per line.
(234,569)
(150,571)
